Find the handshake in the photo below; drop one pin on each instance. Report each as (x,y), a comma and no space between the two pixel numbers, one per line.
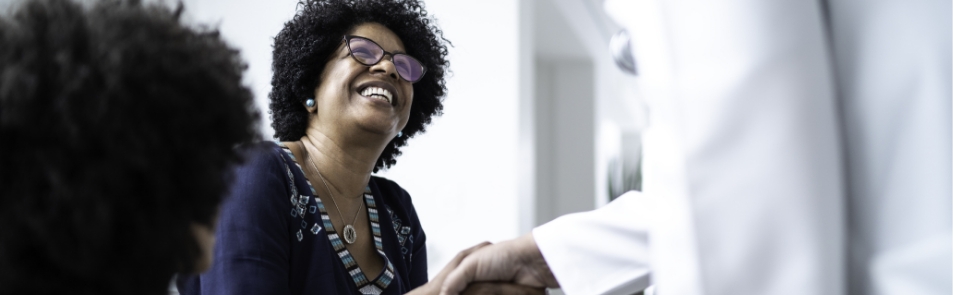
(510,267)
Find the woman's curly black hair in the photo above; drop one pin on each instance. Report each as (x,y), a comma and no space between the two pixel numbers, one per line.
(304,45)
(118,126)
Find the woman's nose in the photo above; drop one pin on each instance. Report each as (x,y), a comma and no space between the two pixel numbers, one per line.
(386,66)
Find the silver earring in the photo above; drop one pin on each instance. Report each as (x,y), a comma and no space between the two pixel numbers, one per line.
(400,133)
(310,102)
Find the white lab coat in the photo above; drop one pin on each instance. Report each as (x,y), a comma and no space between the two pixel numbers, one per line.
(793,147)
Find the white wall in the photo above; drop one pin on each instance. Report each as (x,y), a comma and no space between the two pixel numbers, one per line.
(583,107)
(565,138)
(250,26)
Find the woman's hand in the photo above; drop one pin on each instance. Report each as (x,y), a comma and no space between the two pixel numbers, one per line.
(434,286)
(501,288)
(516,261)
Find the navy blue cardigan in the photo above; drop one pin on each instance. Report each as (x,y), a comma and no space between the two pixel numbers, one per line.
(271,238)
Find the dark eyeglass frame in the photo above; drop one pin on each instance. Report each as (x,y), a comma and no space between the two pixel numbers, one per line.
(348,38)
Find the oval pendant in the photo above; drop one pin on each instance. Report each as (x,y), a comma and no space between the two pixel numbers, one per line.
(349,234)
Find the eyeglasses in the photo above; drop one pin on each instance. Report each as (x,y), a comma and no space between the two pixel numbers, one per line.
(369,53)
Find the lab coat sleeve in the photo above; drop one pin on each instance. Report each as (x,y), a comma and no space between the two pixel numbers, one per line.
(602,251)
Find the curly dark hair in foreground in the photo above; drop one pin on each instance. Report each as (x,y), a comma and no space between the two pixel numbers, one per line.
(118,125)
(306,42)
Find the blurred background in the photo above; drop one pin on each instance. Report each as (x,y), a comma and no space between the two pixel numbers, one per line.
(538,120)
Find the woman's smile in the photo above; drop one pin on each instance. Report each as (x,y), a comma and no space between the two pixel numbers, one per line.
(377,93)
(380,91)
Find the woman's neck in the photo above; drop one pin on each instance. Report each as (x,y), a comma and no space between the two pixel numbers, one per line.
(346,167)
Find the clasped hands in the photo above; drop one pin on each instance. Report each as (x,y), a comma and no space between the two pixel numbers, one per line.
(510,267)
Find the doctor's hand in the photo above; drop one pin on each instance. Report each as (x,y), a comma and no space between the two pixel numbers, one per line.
(517,261)
(499,288)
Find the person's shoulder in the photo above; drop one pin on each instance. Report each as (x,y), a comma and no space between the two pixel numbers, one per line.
(392,192)
(261,157)
(387,184)
(260,183)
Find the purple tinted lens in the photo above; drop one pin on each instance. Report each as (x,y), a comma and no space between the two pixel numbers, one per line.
(409,68)
(365,51)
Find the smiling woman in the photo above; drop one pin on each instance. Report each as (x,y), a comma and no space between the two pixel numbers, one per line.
(353,80)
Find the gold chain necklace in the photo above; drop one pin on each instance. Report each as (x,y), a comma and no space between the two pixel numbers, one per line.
(348,233)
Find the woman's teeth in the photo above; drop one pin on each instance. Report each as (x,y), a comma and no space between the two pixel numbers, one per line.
(377,92)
